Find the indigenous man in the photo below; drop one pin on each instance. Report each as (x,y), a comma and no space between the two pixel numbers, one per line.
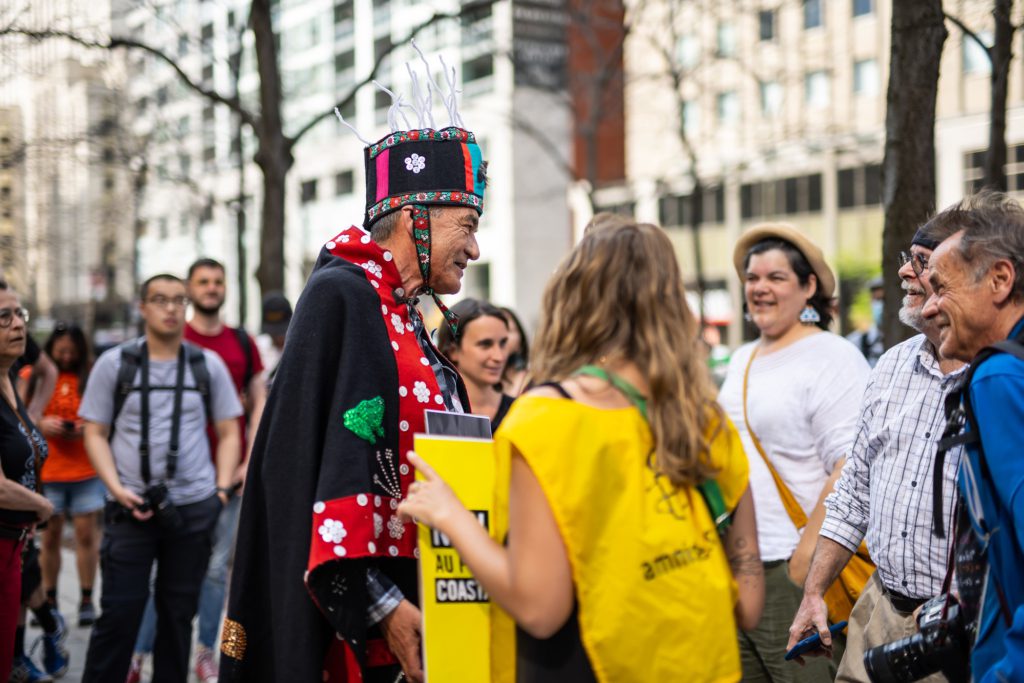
(324,584)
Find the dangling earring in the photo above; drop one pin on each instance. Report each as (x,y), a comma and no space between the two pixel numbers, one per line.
(810,315)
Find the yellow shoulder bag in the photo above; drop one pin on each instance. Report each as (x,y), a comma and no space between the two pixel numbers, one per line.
(845,590)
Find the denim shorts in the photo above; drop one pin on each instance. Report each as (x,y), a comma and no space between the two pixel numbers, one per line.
(76,497)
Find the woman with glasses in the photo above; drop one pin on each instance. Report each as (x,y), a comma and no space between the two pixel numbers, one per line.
(620,466)
(794,394)
(22,452)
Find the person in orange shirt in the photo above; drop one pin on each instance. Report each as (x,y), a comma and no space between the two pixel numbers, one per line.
(69,481)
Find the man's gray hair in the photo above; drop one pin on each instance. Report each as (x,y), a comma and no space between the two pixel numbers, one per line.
(993,229)
(385,226)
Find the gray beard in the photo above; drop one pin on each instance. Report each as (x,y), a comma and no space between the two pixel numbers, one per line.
(912,317)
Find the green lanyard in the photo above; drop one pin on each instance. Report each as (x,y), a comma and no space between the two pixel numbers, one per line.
(709,490)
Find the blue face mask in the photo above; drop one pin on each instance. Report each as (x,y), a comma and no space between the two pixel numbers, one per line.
(877,306)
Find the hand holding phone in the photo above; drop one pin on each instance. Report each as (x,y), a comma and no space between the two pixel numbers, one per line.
(812,642)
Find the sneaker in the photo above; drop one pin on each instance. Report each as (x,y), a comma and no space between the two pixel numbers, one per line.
(24,670)
(55,655)
(206,667)
(135,670)
(86,614)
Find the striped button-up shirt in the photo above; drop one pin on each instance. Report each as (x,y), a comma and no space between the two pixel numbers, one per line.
(885,491)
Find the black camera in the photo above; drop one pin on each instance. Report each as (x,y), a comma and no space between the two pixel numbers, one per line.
(942,645)
(158,500)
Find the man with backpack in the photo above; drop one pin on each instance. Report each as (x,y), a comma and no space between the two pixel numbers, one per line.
(977,279)
(146,408)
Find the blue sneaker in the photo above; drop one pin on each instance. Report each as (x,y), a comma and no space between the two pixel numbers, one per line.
(24,670)
(55,655)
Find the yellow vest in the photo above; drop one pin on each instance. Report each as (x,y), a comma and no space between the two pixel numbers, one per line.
(653,585)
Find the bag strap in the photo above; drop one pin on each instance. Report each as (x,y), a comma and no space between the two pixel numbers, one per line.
(37,460)
(709,489)
(201,376)
(793,509)
(130,357)
(628,390)
(243,340)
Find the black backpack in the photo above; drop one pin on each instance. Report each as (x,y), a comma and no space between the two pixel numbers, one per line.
(131,357)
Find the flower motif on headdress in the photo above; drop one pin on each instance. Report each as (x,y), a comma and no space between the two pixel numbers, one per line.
(415,163)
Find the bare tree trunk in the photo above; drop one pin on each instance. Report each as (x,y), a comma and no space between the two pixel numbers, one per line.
(696,219)
(274,156)
(1001,53)
(908,169)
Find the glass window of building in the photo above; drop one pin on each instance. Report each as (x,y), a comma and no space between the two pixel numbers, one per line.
(728,107)
(975,57)
(862,7)
(691,117)
(726,39)
(766,24)
(816,89)
(688,51)
(865,77)
(813,14)
(771,99)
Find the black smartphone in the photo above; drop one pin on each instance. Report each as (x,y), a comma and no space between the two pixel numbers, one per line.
(812,642)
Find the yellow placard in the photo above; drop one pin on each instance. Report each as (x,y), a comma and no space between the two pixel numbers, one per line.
(456,609)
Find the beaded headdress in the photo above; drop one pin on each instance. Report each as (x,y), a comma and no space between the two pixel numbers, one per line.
(423,166)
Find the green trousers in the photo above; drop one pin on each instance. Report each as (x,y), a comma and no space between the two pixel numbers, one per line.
(763,648)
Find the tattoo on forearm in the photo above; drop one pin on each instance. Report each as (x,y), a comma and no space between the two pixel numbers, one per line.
(746,564)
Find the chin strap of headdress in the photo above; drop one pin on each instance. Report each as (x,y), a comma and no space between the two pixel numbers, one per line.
(421,236)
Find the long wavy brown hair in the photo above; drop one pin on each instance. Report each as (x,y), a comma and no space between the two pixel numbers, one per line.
(619,295)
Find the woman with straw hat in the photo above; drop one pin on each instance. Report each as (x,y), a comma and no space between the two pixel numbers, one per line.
(794,394)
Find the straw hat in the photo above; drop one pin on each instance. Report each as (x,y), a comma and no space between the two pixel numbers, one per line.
(785,231)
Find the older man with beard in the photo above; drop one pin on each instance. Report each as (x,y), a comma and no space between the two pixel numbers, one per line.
(885,491)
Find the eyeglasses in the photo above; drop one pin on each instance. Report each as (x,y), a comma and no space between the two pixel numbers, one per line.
(918,262)
(163,301)
(7,316)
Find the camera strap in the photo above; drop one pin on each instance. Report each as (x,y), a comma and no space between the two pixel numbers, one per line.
(179,390)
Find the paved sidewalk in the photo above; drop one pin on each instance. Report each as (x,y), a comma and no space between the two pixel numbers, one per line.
(78,637)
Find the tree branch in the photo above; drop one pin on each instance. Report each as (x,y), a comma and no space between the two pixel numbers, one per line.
(115,42)
(969,33)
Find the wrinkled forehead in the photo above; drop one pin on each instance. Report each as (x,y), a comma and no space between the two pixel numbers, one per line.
(8,299)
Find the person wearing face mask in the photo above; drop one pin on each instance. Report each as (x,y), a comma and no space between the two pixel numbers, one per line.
(870,341)
(794,394)
(480,354)
(885,495)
